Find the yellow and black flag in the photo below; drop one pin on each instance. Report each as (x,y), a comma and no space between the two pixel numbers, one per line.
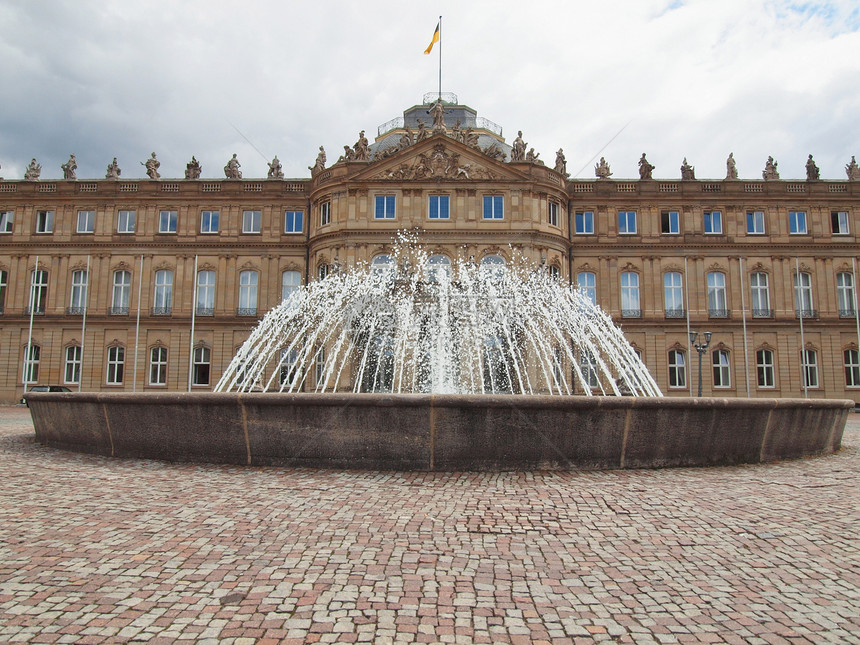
(434,40)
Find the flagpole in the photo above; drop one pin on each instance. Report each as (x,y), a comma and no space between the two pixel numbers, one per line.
(440,58)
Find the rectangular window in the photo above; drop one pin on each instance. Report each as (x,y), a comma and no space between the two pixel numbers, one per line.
(78,299)
(383,207)
(38,292)
(209,221)
(158,366)
(167,221)
(494,207)
(755,223)
(440,207)
(852,368)
(125,221)
(200,371)
(6,219)
(163,295)
(248,293)
(325,213)
(809,367)
(670,222)
(673,294)
(206,293)
(713,223)
(115,364)
(44,221)
(627,222)
(803,295)
(294,221)
(797,222)
(717,303)
(677,369)
(121,292)
(585,223)
(86,221)
(4,281)
(722,373)
(764,368)
(760,295)
(552,213)
(839,222)
(32,353)
(845,294)
(251,221)
(630,307)
(72,373)
(319,368)
(586,284)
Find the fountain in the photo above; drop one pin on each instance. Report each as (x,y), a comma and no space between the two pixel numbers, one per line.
(417,363)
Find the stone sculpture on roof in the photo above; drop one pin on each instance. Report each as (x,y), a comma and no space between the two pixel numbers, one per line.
(532,157)
(319,164)
(422,131)
(731,168)
(405,139)
(275,169)
(852,170)
(645,168)
(69,167)
(687,171)
(361,148)
(113,170)
(151,166)
(770,172)
(231,170)
(518,148)
(812,172)
(437,112)
(33,171)
(561,163)
(348,154)
(495,152)
(601,169)
(193,169)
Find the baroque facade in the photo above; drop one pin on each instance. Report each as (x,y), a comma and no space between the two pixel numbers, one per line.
(153,284)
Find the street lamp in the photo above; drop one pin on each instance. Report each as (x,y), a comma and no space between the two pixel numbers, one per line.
(701,348)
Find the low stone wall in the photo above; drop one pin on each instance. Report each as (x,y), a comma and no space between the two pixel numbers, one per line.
(438,432)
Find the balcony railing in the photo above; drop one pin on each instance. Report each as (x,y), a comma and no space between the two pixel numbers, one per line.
(162,311)
(40,311)
(806,313)
(719,313)
(75,311)
(676,313)
(631,313)
(762,313)
(118,311)
(246,311)
(205,311)
(843,313)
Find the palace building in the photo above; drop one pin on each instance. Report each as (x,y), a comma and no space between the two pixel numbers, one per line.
(153,284)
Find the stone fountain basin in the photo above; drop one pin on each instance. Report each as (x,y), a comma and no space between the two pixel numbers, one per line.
(435,432)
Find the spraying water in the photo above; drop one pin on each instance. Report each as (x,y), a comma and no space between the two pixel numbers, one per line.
(415,322)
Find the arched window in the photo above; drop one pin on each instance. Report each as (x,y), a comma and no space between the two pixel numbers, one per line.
(382,266)
(437,267)
(493,267)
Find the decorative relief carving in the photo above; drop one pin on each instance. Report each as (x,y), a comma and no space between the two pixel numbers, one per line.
(437,164)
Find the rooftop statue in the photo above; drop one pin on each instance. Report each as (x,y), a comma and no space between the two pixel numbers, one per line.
(770,172)
(405,139)
(319,164)
(362,152)
(231,170)
(561,163)
(33,171)
(437,112)
(422,131)
(151,166)
(456,132)
(645,168)
(532,157)
(113,171)
(687,171)
(348,155)
(812,172)
(601,170)
(495,152)
(193,169)
(69,167)
(518,148)
(470,138)
(852,170)
(731,168)
(275,169)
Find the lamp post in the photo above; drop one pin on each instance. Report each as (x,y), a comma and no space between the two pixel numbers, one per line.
(701,348)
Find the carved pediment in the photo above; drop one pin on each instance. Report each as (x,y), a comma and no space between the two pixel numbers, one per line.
(121,266)
(249,266)
(758,267)
(206,266)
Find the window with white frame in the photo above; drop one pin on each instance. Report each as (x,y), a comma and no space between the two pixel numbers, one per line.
(630,306)
(839,222)
(439,207)
(121,293)
(44,222)
(755,223)
(72,371)
(7,219)
(78,297)
(717,305)
(586,284)
(200,366)
(32,355)
(670,222)
(677,369)
(290,283)
(115,364)
(251,221)
(125,221)
(722,371)
(588,366)
(86,222)
(383,207)
(325,213)
(205,293)
(673,294)
(494,207)
(158,366)
(248,293)
(493,267)
(765,373)
(627,222)
(845,294)
(809,368)
(294,221)
(760,292)
(438,269)
(554,271)
(38,292)
(319,367)
(382,266)
(713,222)
(851,359)
(163,295)
(289,373)
(167,221)
(323,271)
(797,222)
(803,295)
(584,222)
(4,282)
(552,213)
(209,221)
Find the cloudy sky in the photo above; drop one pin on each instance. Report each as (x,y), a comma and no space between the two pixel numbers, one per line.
(673,78)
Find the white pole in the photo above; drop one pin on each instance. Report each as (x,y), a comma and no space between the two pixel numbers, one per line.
(193,319)
(744,318)
(689,342)
(797,298)
(84,326)
(137,325)
(27,356)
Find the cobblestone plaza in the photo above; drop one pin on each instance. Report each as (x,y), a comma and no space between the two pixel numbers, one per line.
(96,550)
